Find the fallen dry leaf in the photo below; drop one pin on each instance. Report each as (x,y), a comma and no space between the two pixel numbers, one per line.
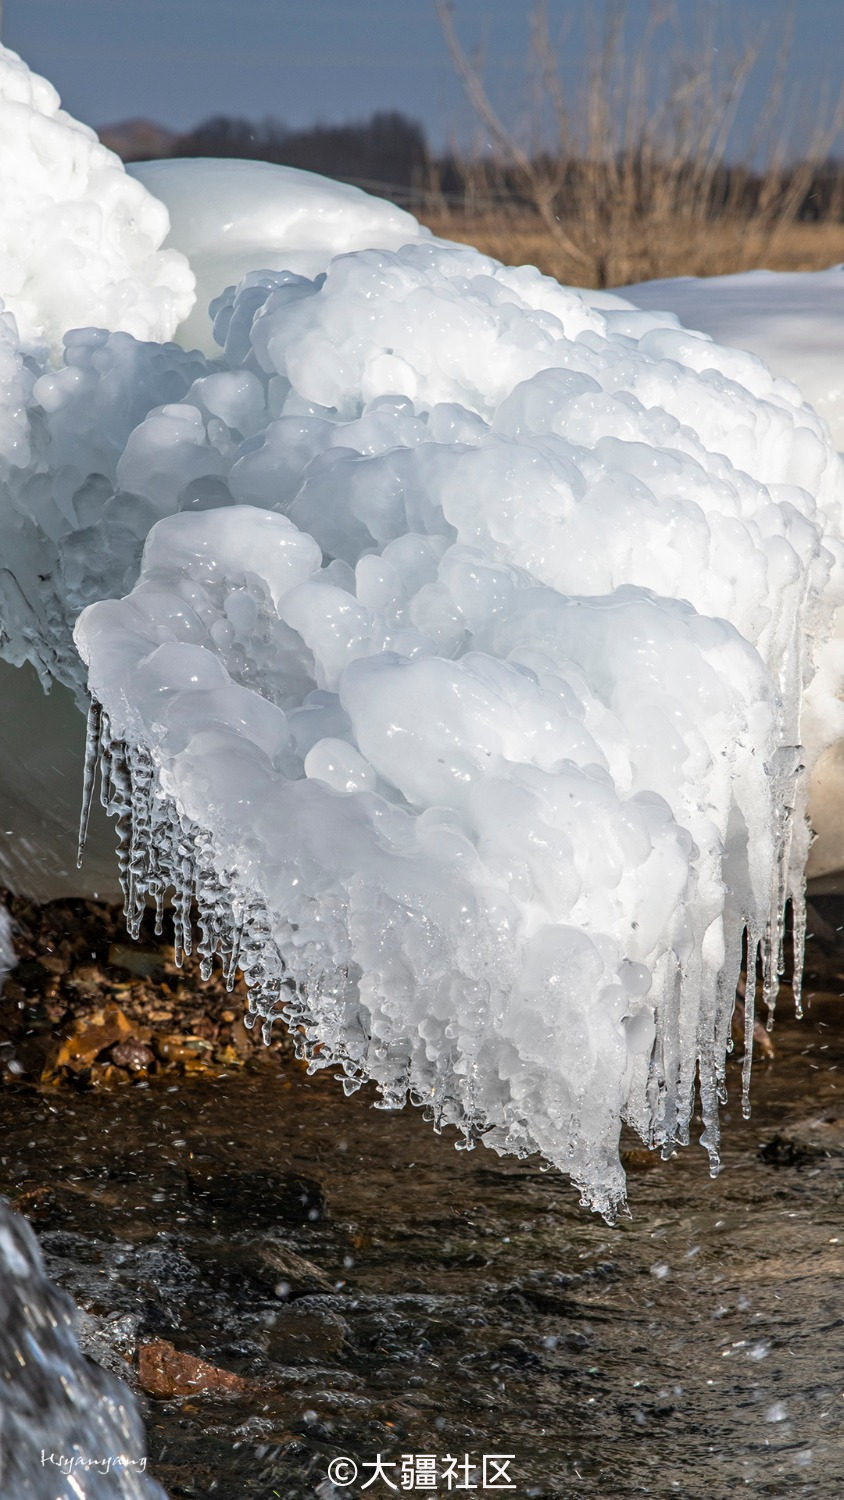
(164,1370)
(92,1035)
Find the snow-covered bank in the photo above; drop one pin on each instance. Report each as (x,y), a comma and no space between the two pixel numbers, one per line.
(794,321)
(454,638)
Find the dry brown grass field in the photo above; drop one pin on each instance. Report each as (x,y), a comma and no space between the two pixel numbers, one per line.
(699,249)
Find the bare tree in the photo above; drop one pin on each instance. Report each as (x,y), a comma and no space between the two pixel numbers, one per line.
(632,163)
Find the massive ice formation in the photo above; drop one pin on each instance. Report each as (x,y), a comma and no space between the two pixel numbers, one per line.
(464,688)
(79,239)
(67,1429)
(449,637)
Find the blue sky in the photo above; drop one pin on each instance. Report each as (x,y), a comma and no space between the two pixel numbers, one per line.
(179,61)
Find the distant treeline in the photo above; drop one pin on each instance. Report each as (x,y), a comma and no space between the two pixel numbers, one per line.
(389,154)
(387,151)
(814,191)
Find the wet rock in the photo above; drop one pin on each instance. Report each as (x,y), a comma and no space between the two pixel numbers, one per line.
(160,1013)
(28,978)
(242,1040)
(165,1371)
(52,1206)
(102,1075)
(134,1055)
(155,1320)
(74,962)
(38,1204)
(87,983)
(54,963)
(227,1056)
(191,1053)
(291,1274)
(31,1056)
(515,1352)
(801,1141)
(547,1293)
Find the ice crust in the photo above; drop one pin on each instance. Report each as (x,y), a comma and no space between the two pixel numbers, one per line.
(455,641)
(56,1402)
(79,239)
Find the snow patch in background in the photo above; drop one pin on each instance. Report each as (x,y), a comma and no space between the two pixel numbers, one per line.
(79,238)
(793,320)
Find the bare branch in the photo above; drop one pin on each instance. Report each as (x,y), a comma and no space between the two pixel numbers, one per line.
(540,189)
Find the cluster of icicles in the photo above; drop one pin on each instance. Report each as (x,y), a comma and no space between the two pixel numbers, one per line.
(165,857)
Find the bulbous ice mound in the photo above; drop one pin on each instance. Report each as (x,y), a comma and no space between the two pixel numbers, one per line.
(462,681)
(68,1430)
(79,239)
(231,217)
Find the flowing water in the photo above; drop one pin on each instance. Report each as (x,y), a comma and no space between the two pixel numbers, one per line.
(380,1293)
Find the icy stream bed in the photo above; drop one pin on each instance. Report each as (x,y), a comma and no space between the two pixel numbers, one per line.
(381,1294)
